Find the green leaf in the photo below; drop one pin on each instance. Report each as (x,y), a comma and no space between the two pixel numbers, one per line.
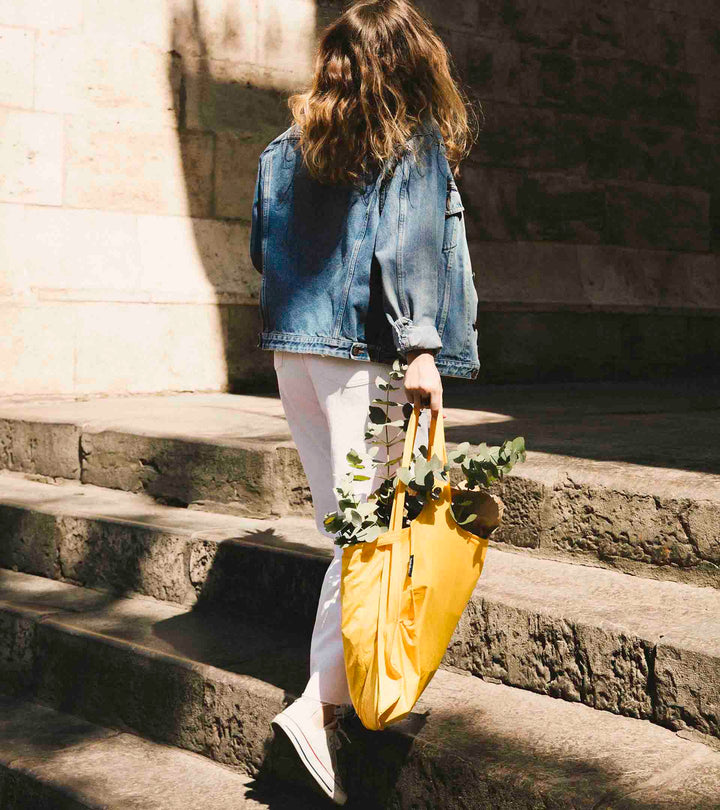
(353,457)
(378,415)
(361,477)
(395,423)
(372,533)
(372,430)
(404,474)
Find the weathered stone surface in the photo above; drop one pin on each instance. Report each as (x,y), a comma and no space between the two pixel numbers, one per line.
(31,154)
(505,205)
(137,168)
(577,632)
(681,672)
(209,260)
(554,656)
(235,171)
(561,208)
(620,524)
(504,272)
(629,152)
(58,14)
(657,216)
(629,277)
(52,449)
(218,30)
(17,649)
(182,472)
(286,37)
(16,67)
(238,710)
(82,74)
(132,21)
(111,683)
(493,68)
(30,542)
(249,368)
(108,265)
(601,28)
(221,97)
(52,760)
(245,579)
(609,87)
(657,37)
(124,557)
(174,331)
(702,48)
(468,744)
(543,23)
(455,14)
(530,138)
(231,454)
(560,345)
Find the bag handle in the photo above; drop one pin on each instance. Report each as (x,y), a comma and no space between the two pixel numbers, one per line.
(436,445)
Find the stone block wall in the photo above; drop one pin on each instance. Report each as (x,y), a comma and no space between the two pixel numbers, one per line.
(594,190)
(129,137)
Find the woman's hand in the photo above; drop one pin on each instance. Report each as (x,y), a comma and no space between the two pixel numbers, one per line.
(423,386)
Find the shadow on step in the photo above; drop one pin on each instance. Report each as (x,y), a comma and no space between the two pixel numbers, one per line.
(673,425)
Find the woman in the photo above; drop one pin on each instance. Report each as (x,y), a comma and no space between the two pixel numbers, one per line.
(358,230)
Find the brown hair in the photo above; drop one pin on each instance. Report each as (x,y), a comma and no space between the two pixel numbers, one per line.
(380,71)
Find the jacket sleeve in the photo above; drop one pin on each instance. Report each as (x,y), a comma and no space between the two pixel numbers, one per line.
(256,226)
(409,246)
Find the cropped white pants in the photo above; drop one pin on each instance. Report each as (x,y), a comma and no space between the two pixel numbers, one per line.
(326,402)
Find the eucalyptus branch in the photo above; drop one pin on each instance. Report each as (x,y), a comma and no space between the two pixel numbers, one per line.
(357,521)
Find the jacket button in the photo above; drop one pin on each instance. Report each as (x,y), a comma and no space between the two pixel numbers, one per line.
(475,326)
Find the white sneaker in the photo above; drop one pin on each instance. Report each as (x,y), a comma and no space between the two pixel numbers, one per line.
(315,743)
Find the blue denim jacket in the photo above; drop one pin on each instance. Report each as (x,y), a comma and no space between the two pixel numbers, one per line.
(369,273)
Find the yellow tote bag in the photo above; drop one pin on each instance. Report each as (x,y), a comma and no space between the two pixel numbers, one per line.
(402,597)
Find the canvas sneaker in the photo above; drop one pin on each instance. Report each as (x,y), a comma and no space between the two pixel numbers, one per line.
(316,742)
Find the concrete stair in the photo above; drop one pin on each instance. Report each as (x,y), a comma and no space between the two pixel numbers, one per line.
(210,685)
(622,477)
(639,647)
(53,760)
(144,542)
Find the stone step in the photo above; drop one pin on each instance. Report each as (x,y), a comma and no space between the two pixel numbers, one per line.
(621,477)
(50,759)
(633,646)
(210,684)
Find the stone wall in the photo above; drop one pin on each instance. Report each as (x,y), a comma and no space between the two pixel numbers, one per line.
(594,190)
(127,140)
(129,137)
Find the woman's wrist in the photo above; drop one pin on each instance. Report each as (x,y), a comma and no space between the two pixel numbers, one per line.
(411,355)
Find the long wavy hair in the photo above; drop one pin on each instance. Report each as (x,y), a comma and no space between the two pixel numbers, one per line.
(380,72)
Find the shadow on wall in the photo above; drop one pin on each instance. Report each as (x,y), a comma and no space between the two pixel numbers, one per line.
(229,109)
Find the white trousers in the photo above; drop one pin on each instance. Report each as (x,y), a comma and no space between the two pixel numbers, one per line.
(326,402)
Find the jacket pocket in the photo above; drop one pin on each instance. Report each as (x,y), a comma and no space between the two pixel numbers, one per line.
(453,212)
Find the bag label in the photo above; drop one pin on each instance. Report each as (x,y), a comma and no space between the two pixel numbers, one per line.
(411,562)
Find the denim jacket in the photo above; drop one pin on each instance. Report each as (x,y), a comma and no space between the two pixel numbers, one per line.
(368,273)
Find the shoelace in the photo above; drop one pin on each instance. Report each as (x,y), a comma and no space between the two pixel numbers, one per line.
(336,730)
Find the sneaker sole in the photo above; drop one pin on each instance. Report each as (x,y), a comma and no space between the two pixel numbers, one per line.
(316,769)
